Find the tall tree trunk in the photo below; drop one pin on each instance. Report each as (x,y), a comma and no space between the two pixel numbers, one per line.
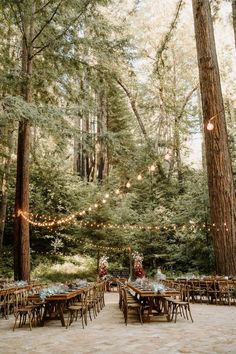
(219,166)
(81,155)
(4,187)
(101,149)
(21,231)
(234,19)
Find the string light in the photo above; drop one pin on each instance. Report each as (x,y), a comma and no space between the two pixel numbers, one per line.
(72,219)
(167,156)
(52,222)
(170,227)
(152,168)
(210,126)
(30,217)
(128,184)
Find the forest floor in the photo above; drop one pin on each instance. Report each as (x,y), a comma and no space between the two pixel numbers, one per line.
(213,331)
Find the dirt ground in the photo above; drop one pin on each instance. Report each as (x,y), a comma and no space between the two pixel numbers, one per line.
(213,331)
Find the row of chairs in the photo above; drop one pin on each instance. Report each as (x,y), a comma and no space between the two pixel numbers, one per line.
(90,302)
(12,298)
(128,303)
(211,291)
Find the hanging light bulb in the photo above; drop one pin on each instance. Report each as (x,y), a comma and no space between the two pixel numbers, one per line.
(128,184)
(104,201)
(95,205)
(210,126)
(139,177)
(152,168)
(106,195)
(117,191)
(167,156)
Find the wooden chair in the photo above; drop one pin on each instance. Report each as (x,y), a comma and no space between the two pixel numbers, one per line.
(119,288)
(180,305)
(130,305)
(78,308)
(197,290)
(25,311)
(100,294)
(232,291)
(223,292)
(92,303)
(3,302)
(211,291)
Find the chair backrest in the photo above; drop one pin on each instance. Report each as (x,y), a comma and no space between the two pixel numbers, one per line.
(185,292)
(124,294)
(84,297)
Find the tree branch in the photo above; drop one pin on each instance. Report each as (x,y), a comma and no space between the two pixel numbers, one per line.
(187,98)
(43,7)
(63,32)
(168,35)
(19,24)
(134,108)
(47,22)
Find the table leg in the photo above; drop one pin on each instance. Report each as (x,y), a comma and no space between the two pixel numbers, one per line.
(61,313)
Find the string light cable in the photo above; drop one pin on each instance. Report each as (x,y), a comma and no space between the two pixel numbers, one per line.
(210,125)
(36,220)
(157,228)
(51,222)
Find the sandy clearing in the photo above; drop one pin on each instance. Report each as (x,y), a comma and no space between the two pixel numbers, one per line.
(213,331)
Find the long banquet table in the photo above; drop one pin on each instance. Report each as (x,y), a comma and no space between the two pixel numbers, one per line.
(154,302)
(55,305)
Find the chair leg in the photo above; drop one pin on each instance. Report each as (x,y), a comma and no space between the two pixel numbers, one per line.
(17,315)
(189,311)
(140,315)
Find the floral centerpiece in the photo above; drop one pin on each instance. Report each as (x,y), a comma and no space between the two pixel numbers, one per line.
(103,264)
(138,265)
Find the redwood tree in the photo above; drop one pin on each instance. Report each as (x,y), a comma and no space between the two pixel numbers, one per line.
(21,232)
(28,14)
(219,167)
(234,18)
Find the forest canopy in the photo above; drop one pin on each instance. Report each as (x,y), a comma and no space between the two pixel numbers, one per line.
(105,146)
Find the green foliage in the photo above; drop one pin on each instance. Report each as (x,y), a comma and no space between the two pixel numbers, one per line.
(6,263)
(83,53)
(63,269)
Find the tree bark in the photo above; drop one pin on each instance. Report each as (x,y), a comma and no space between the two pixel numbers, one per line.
(218,160)
(4,187)
(21,227)
(234,19)
(101,148)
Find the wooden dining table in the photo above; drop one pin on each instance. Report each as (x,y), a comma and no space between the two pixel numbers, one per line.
(54,305)
(154,302)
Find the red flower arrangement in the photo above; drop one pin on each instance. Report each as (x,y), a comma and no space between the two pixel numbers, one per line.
(103,264)
(138,266)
